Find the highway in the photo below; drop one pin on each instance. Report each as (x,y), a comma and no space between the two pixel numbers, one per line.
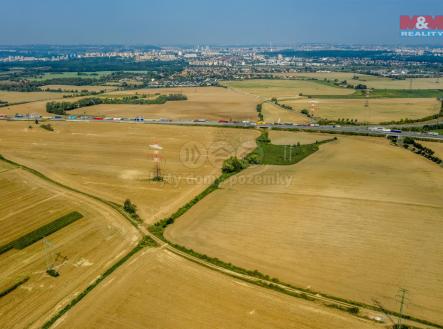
(337,129)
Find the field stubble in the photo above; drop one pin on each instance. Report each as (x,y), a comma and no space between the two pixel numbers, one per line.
(359,220)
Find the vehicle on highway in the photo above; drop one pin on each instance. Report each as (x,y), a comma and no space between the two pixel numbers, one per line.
(376,128)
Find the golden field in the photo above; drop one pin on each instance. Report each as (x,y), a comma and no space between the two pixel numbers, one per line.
(22,97)
(114,160)
(372,81)
(358,219)
(85,248)
(35,107)
(203,103)
(285,88)
(273,113)
(291,138)
(378,110)
(158,289)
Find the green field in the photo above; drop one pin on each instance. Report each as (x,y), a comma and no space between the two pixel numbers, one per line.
(374,111)
(285,88)
(61,75)
(371,81)
(390,93)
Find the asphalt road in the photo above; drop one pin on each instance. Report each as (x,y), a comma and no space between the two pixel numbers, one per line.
(363,130)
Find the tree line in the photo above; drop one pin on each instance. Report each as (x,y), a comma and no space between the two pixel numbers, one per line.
(61,107)
(421,150)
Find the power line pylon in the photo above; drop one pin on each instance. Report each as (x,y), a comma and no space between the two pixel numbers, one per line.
(49,254)
(403,299)
(50,258)
(156,158)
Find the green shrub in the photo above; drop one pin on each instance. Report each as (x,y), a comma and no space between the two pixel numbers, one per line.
(252,158)
(233,165)
(129,207)
(52,272)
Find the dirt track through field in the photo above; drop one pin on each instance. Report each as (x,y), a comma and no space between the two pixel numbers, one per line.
(158,289)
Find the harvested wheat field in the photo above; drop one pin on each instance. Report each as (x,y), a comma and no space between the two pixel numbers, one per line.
(285,88)
(23,97)
(158,289)
(291,138)
(371,81)
(358,219)
(115,162)
(209,103)
(79,251)
(273,113)
(378,110)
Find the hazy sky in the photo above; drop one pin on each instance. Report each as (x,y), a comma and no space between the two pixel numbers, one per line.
(193,22)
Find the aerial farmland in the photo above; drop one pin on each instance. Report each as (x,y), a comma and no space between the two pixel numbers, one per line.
(181,166)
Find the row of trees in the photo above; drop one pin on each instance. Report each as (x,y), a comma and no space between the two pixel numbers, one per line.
(421,150)
(61,107)
(259,108)
(344,121)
